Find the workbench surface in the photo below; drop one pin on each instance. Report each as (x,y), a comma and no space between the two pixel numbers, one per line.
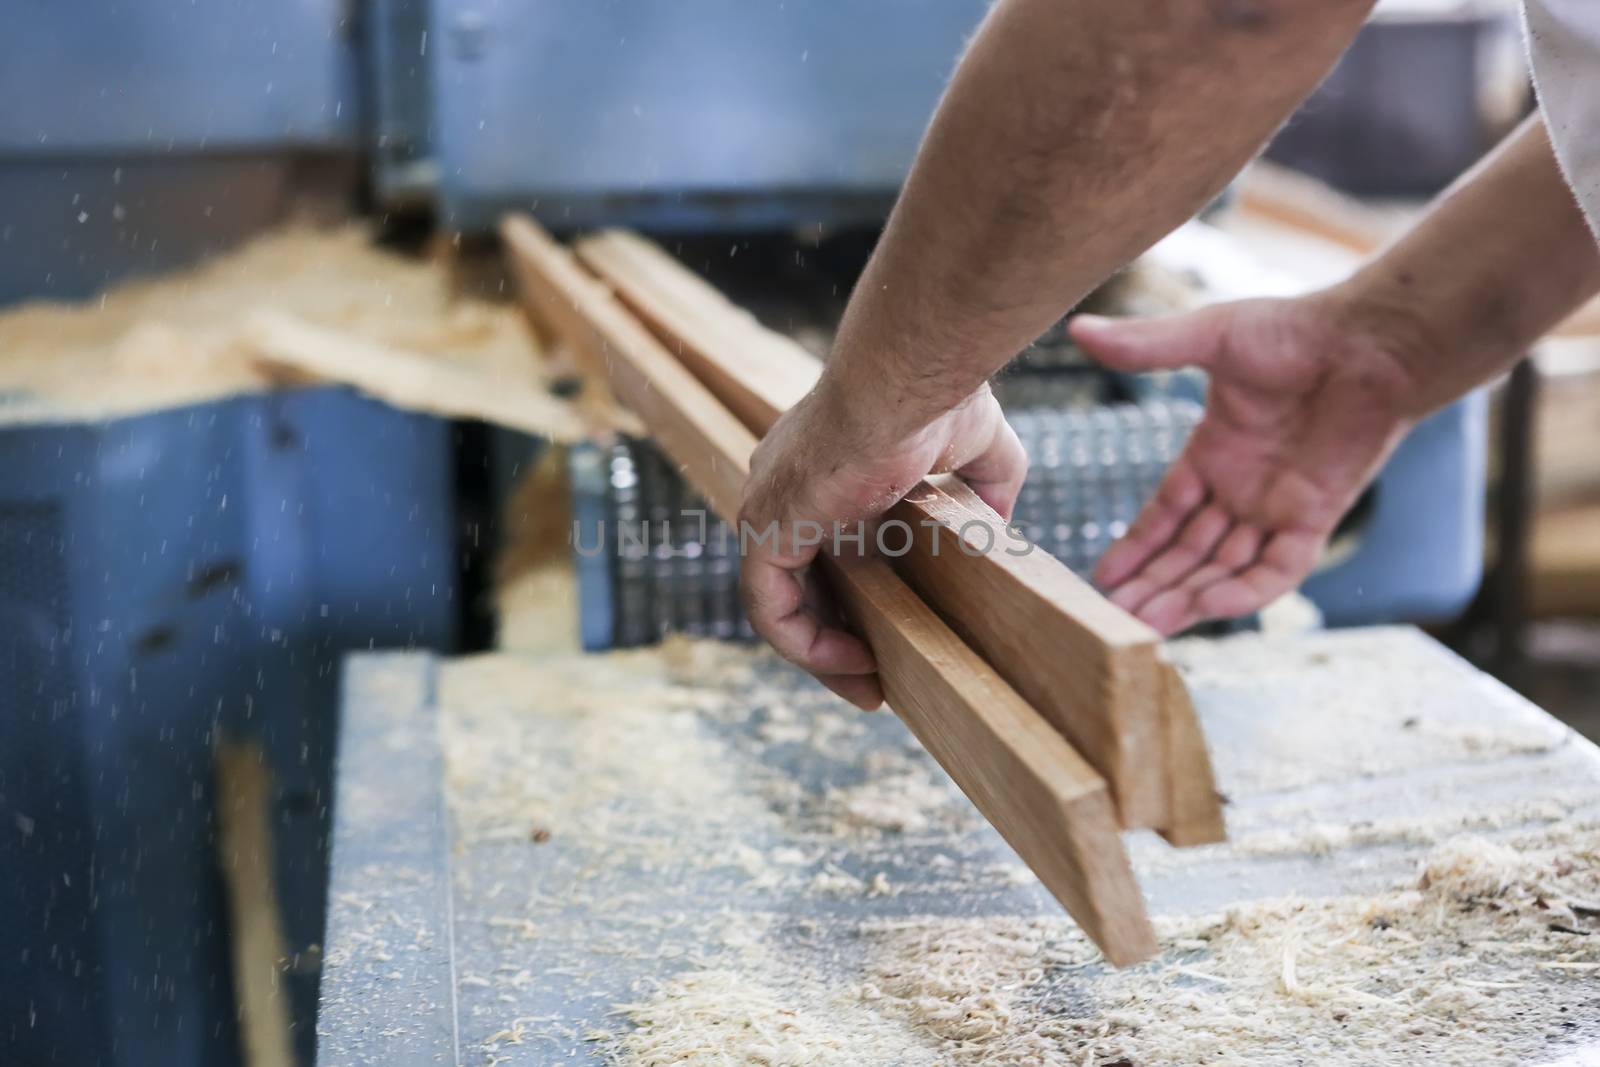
(650,855)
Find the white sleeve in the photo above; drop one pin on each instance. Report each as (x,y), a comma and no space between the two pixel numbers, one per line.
(1564,51)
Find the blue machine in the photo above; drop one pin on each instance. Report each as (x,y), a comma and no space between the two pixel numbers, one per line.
(713,115)
(139,137)
(163,579)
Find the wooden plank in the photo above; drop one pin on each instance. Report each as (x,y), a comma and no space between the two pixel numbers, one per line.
(757,373)
(683,417)
(1195,803)
(1087,665)
(1090,668)
(1026,779)
(257,944)
(1045,800)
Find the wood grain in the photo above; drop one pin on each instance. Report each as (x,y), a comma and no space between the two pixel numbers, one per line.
(1088,666)
(1026,779)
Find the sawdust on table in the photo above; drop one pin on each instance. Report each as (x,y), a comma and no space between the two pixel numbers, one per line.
(1354,723)
(181,338)
(1487,956)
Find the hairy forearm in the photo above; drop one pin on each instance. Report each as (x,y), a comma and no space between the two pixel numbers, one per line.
(1073,136)
(1501,257)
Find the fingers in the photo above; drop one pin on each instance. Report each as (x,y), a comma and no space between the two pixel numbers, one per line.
(1175,609)
(1200,536)
(1248,571)
(782,610)
(1180,494)
(996,474)
(862,690)
(1284,562)
(1191,340)
(784,606)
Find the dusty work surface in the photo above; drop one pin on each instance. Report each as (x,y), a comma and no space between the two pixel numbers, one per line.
(694,855)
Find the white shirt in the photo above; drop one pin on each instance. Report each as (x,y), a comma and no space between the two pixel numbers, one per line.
(1564,50)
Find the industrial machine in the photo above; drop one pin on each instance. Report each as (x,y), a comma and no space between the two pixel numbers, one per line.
(168,577)
(167,582)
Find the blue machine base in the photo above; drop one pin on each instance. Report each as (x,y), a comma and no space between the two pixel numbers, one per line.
(164,579)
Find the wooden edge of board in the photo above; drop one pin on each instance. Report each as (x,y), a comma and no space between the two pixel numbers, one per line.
(1089,668)
(1195,799)
(684,418)
(1115,718)
(1026,779)
(702,326)
(1032,786)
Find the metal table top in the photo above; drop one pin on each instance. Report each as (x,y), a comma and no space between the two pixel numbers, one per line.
(524,843)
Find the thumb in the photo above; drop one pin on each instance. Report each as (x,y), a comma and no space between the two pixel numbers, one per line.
(1189,340)
(996,474)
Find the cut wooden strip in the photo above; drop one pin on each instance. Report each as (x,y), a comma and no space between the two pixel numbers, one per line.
(1090,668)
(410,380)
(756,372)
(1023,775)
(1087,665)
(1028,781)
(683,417)
(1196,804)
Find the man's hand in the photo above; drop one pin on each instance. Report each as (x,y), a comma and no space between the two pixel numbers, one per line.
(833,460)
(1305,402)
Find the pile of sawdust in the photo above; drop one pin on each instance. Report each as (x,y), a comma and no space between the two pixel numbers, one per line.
(604,746)
(725,1016)
(180,338)
(653,760)
(1326,838)
(904,799)
(535,583)
(1488,956)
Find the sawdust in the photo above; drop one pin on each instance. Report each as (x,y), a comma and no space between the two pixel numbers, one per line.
(1343,723)
(817,945)
(1326,838)
(722,1016)
(606,745)
(535,583)
(182,338)
(1485,957)
(904,800)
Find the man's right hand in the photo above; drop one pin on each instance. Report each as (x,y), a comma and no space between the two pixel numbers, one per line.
(840,457)
(1307,397)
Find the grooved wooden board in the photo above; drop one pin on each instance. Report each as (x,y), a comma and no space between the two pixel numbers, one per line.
(1047,802)
(1090,668)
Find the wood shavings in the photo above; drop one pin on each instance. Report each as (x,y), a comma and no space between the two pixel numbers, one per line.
(678,850)
(609,756)
(905,802)
(1459,967)
(1410,706)
(181,338)
(1323,839)
(535,582)
(834,882)
(724,1017)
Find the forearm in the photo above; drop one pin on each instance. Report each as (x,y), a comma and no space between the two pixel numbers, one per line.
(1503,256)
(1072,137)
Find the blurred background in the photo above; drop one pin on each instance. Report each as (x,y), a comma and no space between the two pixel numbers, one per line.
(196,524)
